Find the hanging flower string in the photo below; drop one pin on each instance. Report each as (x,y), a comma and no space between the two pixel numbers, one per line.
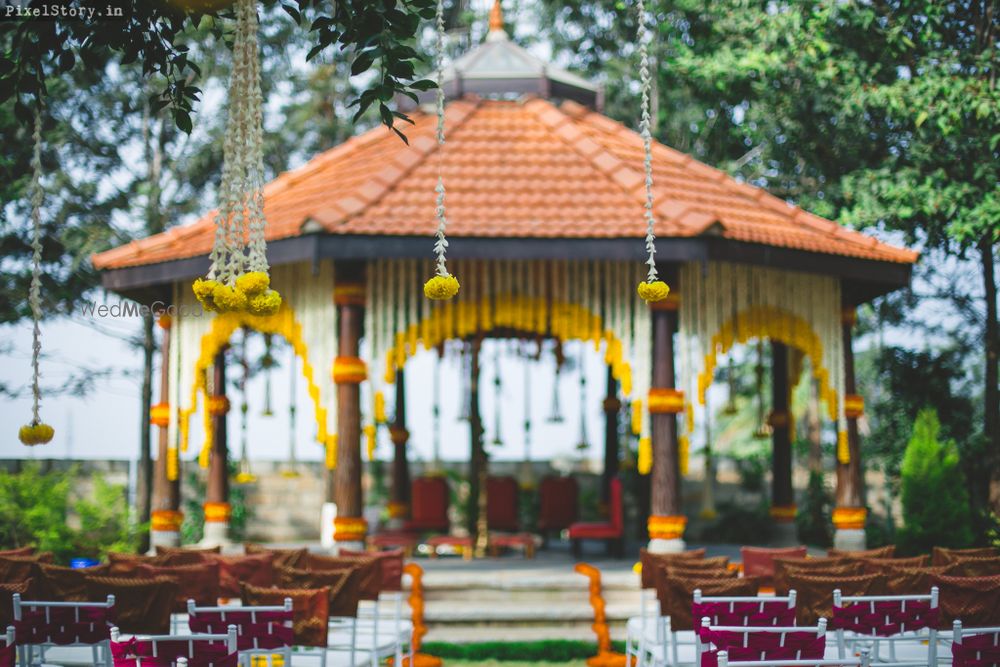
(442,285)
(238,279)
(36,432)
(652,289)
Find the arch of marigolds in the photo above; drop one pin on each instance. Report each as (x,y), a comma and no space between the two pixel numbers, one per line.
(284,324)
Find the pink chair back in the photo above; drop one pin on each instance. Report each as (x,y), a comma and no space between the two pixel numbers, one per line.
(198,650)
(763,644)
(429,504)
(256,627)
(501,507)
(757,611)
(558,503)
(63,623)
(886,615)
(975,647)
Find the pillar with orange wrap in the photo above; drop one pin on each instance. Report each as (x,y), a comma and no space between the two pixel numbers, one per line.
(349,371)
(165,517)
(666,521)
(217,509)
(399,501)
(850,514)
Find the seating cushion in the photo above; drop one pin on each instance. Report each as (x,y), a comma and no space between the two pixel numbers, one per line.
(944,556)
(310,610)
(198,582)
(369,571)
(142,606)
(595,531)
(815,592)
(390,566)
(343,587)
(255,569)
(759,561)
(973,600)
(649,560)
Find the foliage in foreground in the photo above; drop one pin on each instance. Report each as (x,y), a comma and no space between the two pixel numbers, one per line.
(934,495)
(549,650)
(38,508)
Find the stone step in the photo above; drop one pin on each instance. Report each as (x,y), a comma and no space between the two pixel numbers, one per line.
(450,613)
(505,597)
(527,581)
(457,634)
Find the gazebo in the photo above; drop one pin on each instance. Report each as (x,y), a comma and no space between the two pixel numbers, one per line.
(545,207)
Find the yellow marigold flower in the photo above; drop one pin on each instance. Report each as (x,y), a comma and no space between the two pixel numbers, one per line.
(654,291)
(441,288)
(35,434)
(204,291)
(229,299)
(266,303)
(253,283)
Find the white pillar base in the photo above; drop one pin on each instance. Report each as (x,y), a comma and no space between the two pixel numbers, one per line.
(349,546)
(326,516)
(164,538)
(216,535)
(849,539)
(784,534)
(661,546)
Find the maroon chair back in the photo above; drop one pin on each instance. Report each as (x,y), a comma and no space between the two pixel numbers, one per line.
(429,504)
(501,505)
(558,503)
(616,510)
(759,561)
(256,627)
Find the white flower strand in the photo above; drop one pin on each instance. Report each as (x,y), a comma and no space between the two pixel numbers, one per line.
(441,244)
(34,291)
(647,140)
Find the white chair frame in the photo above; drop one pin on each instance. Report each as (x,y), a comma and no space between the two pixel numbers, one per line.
(26,652)
(246,655)
(848,640)
(860,661)
(958,632)
(229,638)
(819,629)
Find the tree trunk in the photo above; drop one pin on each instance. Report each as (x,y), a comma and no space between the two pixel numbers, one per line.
(477,453)
(991,395)
(144,478)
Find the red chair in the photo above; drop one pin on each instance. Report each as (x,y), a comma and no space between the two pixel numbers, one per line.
(759,561)
(557,504)
(501,505)
(428,506)
(612,531)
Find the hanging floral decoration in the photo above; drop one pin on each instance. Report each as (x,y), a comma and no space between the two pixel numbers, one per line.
(238,278)
(652,289)
(36,432)
(442,286)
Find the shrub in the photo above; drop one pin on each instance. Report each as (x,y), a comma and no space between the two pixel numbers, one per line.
(813,520)
(740,524)
(934,495)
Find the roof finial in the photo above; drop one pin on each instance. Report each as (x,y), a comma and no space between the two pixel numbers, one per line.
(496,17)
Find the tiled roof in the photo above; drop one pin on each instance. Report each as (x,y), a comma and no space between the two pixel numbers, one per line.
(522,168)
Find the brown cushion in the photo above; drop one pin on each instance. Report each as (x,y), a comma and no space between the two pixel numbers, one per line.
(943,556)
(66,584)
(15,569)
(879,564)
(370,571)
(7,591)
(198,582)
(908,580)
(282,557)
(676,594)
(142,606)
(650,561)
(19,551)
(390,564)
(973,600)
(255,569)
(696,573)
(169,551)
(344,586)
(759,561)
(126,565)
(881,552)
(815,592)
(309,610)
(186,556)
(974,567)
(783,567)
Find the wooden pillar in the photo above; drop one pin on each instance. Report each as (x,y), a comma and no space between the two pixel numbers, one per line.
(782,496)
(476,508)
(666,521)
(166,517)
(612,406)
(349,371)
(849,515)
(399,501)
(217,509)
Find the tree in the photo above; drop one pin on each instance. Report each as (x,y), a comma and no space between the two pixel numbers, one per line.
(935,502)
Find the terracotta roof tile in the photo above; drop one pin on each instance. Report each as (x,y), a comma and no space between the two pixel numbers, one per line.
(516,169)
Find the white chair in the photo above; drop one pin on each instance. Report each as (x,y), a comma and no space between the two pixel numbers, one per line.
(905,624)
(974,644)
(636,626)
(263,631)
(177,648)
(62,628)
(665,646)
(860,661)
(8,652)
(797,645)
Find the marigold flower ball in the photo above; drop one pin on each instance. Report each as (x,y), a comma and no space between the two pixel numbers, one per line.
(229,299)
(35,434)
(253,283)
(267,303)
(204,291)
(653,291)
(441,288)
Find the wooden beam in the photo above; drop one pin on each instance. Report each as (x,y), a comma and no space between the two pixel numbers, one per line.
(782,496)
(399,501)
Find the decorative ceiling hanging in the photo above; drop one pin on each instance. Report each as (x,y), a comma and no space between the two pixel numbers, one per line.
(652,289)
(244,475)
(291,467)
(266,364)
(584,443)
(36,432)
(442,285)
(555,415)
(497,397)
(238,278)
